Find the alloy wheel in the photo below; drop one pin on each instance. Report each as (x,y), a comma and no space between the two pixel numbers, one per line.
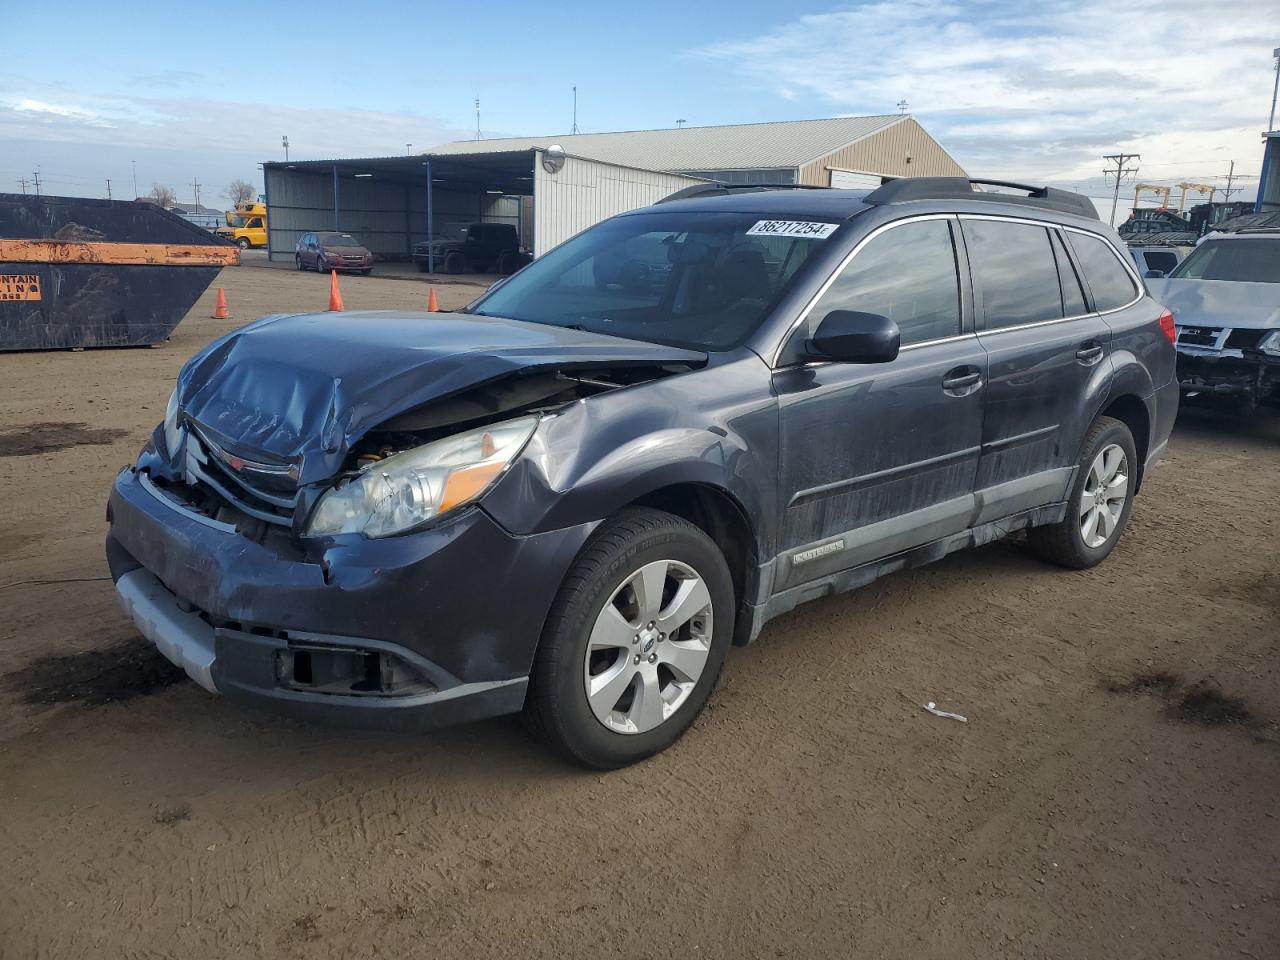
(648,647)
(1106,488)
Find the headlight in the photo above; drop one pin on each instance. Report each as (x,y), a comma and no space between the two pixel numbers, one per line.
(1270,344)
(172,432)
(401,492)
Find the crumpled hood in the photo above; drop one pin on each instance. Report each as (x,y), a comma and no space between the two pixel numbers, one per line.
(1219,303)
(304,388)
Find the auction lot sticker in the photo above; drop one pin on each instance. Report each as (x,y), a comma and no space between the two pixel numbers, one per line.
(19,286)
(792,228)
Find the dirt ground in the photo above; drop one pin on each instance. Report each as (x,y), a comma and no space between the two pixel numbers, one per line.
(1114,793)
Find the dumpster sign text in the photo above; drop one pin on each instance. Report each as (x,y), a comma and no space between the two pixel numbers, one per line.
(19,286)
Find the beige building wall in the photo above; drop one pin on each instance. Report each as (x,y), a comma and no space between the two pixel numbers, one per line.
(886,153)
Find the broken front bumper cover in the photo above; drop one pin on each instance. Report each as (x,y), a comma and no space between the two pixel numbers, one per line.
(1252,376)
(408,633)
(247,667)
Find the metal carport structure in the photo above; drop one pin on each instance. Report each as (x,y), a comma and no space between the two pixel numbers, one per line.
(391,203)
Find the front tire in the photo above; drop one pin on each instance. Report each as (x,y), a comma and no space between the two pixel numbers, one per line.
(1100,501)
(243,243)
(634,643)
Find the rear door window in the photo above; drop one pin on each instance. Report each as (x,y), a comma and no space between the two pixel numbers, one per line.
(908,274)
(1015,270)
(1111,284)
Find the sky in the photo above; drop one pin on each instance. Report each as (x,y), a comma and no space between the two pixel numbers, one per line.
(1035,91)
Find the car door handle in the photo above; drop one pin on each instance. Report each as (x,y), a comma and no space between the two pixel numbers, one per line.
(958,381)
(1089,353)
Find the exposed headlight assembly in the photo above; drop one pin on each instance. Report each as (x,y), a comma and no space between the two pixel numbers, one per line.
(1270,344)
(406,490)
(172,431)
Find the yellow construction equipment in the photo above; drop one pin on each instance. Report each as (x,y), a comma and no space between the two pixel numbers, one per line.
(1152,188)
(1204,189)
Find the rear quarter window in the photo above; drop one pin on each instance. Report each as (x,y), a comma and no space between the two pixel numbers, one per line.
(1111,284)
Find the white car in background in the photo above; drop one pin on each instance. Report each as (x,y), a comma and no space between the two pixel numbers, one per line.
(1225,299)
(1162,259)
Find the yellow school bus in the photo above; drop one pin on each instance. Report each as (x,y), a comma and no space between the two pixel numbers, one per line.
(246,225)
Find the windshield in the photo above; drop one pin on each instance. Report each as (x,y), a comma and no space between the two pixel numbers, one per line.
(689,279)
(1255,259)
(338,240)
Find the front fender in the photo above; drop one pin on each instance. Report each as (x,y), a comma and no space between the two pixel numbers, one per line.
(714,427)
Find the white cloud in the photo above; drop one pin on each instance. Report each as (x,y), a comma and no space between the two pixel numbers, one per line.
(1039,90)
(83,138)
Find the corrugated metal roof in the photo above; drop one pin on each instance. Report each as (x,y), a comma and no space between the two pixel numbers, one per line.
(784,144)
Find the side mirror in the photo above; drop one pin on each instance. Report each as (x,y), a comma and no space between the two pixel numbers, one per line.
(1154,274)
(852,336)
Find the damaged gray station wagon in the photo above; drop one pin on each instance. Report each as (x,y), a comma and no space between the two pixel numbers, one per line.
(571,498)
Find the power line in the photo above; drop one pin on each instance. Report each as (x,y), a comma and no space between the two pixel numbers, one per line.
(1119,159)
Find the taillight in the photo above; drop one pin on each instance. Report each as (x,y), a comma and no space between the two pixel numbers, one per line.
(1167,327)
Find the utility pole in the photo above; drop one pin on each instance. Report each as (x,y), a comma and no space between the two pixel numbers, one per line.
(108,188)
(195,189)
(36,175)
(902,106)
(477,118)
(135,178)
(1120,172)
(408,149)
(22,182)
(284,142)
(680,123)
(574,128)
(1227,191)
(1275,89)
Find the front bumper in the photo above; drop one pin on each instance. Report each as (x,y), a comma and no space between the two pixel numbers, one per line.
(460,606)
(1252,377)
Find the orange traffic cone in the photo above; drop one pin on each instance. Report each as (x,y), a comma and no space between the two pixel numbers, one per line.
(220,311)
(432,306)
(335,295)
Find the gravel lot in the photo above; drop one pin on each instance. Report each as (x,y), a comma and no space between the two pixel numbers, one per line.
(1113,795)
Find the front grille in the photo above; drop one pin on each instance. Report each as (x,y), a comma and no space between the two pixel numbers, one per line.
(269,496)
(1244,339)
(1200,336)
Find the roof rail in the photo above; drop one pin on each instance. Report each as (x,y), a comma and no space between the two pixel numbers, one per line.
(706,189)
(902,189)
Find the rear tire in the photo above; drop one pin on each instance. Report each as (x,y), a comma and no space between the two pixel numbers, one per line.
(1096,516)
(454,263)
(649,685)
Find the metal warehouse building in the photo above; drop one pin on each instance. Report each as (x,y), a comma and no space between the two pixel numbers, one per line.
(553,187)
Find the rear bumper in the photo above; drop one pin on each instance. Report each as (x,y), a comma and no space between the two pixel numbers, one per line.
(459,607)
